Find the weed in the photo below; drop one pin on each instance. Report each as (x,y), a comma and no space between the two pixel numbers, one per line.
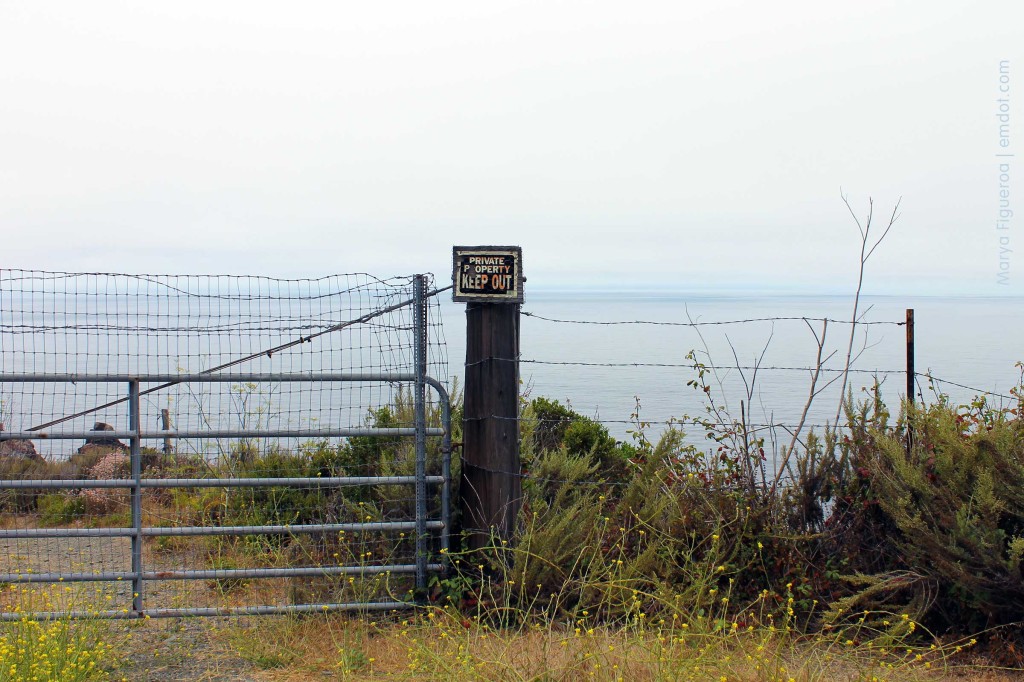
(60,648)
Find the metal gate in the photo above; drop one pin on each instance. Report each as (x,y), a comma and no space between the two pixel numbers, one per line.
(135,590)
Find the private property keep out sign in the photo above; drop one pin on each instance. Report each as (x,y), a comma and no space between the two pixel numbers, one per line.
(487,274)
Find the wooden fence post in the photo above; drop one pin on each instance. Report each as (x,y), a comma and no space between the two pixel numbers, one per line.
(165,424)
(489,280)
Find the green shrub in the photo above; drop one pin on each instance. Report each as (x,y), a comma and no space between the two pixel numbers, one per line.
(276,505)
(551,419)
(21,500)
(57,509)
(295,505)
(667,529)
(951,510)
(553,426)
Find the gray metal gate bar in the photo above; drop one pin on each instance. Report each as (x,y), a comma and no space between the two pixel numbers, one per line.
(249,433)
(326,482)
(226,611)
(446,465)
(420,353)
(176,531)
(214,574)
(385,377)
(136,493)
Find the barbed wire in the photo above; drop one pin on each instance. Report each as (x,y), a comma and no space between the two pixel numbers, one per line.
(684,365)
(639,423)
(712,323)
(933,378)
(704,366)
(759,368)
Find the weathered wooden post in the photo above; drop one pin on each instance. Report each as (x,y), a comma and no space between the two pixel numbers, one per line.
(165,424)
(489,279)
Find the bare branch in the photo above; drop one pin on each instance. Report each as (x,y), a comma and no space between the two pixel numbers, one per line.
(853,214)
(892,221)
(815,374)
(855,317)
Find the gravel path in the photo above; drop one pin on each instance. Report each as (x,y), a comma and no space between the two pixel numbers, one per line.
(158,649)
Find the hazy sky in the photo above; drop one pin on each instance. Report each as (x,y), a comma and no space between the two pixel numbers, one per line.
(623,145)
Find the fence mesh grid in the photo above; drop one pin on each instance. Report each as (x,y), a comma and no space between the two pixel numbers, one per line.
(118,324)
(66,323)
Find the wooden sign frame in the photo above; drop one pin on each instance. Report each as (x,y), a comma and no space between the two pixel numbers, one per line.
(487,274)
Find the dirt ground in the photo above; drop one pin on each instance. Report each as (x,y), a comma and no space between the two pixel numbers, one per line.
(159,649)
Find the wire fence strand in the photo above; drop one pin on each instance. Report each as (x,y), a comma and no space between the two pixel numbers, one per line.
(715,323)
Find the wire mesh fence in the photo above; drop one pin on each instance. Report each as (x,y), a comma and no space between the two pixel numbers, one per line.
(101,323)
(244,443)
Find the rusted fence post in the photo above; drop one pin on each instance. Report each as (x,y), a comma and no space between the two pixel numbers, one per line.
(910,378)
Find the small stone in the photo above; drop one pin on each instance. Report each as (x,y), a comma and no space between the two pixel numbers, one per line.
(94,444)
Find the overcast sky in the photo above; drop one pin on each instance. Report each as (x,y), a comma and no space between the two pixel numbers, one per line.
(682,145)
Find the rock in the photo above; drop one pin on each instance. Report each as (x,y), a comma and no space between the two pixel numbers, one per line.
(100,442)
(20,449)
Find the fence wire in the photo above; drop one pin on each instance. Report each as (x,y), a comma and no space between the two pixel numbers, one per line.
(608,366)
(103,323)
(714,323)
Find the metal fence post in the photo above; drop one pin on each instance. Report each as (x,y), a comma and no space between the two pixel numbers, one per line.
(446,474)
(420,353)
(911,376)
(134,425)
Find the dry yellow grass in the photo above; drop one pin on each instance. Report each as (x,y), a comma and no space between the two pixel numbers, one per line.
(444,646)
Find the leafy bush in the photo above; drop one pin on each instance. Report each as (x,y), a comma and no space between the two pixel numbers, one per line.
(57,509)
(21,500)
(554,426)
(294,505)
(669,527)
(951,510)
(81,465)
(277,505)
(551,419)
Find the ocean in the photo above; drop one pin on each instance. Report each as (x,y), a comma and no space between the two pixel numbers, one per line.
(604,370)
(608,355)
